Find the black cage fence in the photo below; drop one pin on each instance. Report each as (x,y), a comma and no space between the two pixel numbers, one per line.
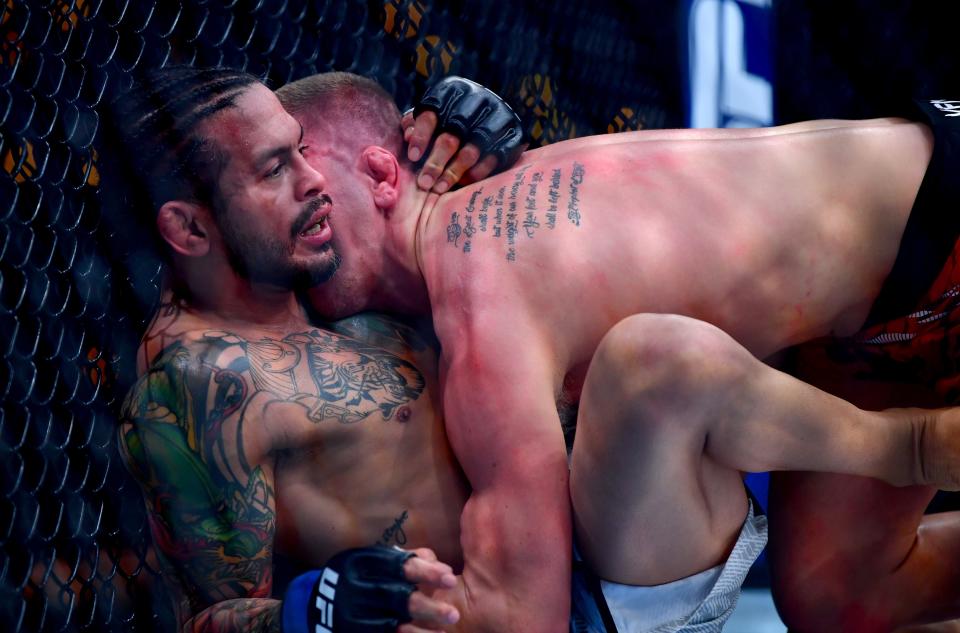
(75,550)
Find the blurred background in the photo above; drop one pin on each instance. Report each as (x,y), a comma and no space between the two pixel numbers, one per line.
(75,552)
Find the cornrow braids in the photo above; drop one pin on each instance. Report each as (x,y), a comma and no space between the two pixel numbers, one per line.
(158,120)
(148,151)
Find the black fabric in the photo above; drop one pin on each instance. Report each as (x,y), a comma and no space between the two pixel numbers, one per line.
(582,618)
(934,223)
(860,59)
(593,582)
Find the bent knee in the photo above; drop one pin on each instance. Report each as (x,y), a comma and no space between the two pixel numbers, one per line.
(645,353)
(643,339)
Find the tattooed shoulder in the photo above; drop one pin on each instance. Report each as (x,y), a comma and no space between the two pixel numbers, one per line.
(359,378)
(529,206)
(212,513)
(327,375)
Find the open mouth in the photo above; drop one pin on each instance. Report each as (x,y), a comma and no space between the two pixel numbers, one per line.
(315,228)
(315,220)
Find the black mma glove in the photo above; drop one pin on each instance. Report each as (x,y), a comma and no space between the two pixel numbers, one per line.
(475,114)
(361,590)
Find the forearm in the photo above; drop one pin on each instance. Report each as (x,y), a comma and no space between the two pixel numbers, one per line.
(517,553)
(502,423)
(516,574)
(240,615)
(516,534)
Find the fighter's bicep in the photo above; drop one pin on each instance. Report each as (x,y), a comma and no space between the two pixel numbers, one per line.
(499,410)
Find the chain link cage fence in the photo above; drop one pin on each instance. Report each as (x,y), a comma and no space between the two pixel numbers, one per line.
(859,59)
(75,550)
(75,296)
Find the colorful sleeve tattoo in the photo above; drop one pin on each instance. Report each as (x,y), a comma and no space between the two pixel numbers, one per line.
(211,513)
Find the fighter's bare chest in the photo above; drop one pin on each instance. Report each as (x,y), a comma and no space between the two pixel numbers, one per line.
(365,460)
(350,379)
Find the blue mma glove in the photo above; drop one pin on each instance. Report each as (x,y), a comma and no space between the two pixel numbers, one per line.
(362,590)
(474,113)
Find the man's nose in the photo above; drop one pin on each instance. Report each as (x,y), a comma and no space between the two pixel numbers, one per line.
(312,182)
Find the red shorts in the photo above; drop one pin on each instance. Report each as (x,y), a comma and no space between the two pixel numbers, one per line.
(912,334)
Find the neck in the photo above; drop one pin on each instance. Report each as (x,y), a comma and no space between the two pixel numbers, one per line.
(217,292)
(403,289)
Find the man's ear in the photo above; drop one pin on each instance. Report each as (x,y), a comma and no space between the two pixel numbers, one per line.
(185,227)
(383,167)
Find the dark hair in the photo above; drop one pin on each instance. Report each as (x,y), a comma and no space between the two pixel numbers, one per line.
(157,123)
(345,96)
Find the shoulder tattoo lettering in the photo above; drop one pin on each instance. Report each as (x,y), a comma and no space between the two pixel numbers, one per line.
(530,204)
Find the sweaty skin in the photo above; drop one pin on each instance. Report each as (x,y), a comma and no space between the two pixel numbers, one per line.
(776,236)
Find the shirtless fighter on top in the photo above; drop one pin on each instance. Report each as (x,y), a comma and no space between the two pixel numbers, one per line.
(570,260)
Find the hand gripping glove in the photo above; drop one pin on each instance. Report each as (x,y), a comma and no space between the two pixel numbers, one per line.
(476,114)
(361,590)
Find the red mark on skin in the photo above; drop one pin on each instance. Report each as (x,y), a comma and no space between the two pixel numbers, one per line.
(228,126)
(798,321)
(403,414)
(795,325)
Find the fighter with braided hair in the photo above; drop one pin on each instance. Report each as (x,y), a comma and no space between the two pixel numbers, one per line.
(230,387)
(253,431)
(159,121)
(243,407)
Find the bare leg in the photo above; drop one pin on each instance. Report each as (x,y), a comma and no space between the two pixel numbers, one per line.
(854,554)
(672,411)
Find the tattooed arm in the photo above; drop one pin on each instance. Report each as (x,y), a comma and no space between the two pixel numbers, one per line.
(209,493)
(240,614)
(200,430)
